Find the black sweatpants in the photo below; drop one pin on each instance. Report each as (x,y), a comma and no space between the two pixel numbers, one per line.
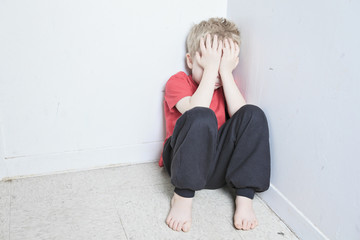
(198,156)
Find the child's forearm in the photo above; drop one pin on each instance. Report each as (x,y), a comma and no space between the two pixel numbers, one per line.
(233,96)
(204,93)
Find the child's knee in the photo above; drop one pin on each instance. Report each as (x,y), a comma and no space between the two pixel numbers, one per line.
(255,114)
(202,117)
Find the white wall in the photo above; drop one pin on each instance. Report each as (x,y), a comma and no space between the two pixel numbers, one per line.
(300,63)
(81,82)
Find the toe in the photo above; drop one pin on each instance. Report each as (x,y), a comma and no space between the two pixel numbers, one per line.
(172,222)
(168,219)
(174,226)
(241,225)
(178,227)
(253,224)
(246,225)
(238,225)
(186,227)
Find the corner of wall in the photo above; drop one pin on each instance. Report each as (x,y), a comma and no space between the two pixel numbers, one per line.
(3,167)
(291,215)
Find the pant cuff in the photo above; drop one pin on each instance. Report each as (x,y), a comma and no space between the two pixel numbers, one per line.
(187,193)
(245,192)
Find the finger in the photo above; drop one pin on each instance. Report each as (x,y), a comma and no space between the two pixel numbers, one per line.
(215,42)
(237,49)
(232,46)
(202,45)
(198,59)
(220,46)
(197,56)
(237,61)
(226,43)
(226,46)
(208,41)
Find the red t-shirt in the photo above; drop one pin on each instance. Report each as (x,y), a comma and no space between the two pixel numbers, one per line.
(179,86)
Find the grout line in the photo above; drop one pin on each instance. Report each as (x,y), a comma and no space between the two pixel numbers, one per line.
(121,222)
(114,201)
(122,225)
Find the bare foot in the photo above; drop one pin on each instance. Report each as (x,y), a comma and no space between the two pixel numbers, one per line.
(179,217)
(244,217)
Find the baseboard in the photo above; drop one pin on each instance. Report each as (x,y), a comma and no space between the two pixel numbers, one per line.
(27,166)
(291,215)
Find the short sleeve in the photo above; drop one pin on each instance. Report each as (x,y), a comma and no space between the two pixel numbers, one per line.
(177,87)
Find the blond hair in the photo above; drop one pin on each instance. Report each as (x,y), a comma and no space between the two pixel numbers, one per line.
(222,27)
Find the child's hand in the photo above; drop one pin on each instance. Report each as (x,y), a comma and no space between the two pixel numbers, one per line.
(210,53)
(230,57)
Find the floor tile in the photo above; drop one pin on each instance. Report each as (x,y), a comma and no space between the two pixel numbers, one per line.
(65,216)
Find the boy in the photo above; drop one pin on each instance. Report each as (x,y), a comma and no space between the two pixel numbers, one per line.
(212,137)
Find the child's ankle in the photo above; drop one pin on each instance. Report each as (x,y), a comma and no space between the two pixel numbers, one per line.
(245,192)
(185,193)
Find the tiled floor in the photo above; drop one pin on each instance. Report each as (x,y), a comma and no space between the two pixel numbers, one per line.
(128,202)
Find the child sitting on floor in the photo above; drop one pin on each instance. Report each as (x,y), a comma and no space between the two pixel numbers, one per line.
(213,137)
